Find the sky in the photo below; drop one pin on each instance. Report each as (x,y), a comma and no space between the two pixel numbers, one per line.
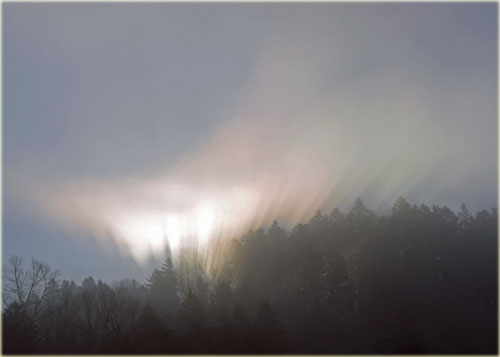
(129,128)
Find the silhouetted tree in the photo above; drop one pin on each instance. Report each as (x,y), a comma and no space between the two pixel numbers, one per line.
(29,287)
(268,333)
(192,316)
(418,279)
(150,335)
(164,290)
(20,334)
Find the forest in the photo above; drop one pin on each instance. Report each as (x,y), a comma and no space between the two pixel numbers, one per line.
(412,280)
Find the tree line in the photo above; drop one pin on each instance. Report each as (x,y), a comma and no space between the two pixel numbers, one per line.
(418,279)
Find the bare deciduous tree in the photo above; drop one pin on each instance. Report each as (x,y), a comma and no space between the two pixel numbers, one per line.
(28,287)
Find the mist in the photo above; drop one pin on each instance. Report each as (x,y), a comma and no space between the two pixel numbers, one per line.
(326,113)
(217,178)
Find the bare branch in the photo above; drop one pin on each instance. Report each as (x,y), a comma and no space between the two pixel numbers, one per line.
(28,288)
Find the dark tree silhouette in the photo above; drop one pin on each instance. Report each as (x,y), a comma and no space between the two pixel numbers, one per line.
(192,315)
(417,280)
(20,334)
(268,334)
(164,290)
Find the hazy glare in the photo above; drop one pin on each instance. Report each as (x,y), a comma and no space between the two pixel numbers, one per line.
(136,127)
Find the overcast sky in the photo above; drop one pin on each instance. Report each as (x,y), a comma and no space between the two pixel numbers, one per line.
(157,107)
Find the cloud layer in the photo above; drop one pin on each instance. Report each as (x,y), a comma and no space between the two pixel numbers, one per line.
(336,102)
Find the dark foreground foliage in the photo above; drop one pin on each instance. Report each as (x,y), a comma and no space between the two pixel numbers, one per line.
(418,280)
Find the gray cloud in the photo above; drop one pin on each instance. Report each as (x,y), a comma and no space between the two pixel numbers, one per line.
(273,110)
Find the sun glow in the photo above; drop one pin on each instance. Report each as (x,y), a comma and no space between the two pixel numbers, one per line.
(173,231)
(145,220)
(156,237)
(206,221)
(281,161)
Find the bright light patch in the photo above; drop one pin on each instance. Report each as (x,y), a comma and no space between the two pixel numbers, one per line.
(156,237)
(173,231)
(206,219)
